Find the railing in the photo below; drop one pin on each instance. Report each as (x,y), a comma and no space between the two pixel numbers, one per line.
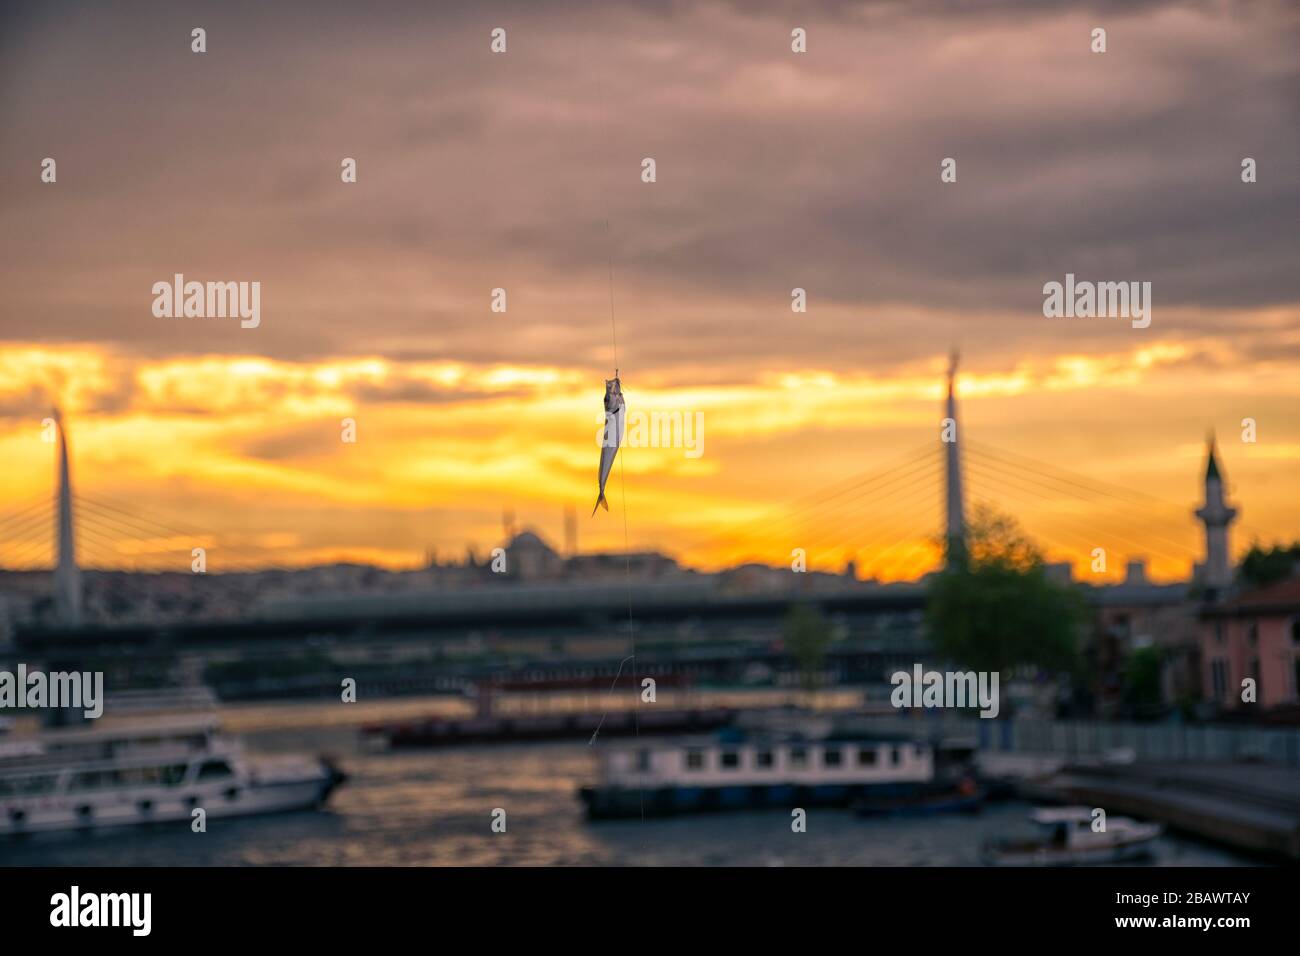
(1071,738)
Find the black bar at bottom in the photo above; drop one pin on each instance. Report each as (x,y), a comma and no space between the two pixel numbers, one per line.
(573,907)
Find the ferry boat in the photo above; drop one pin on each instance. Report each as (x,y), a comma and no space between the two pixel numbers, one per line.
(154,771)
(1069,840)
(738,770)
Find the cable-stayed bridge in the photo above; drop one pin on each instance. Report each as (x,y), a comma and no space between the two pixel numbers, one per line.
(890,519)
(894,521)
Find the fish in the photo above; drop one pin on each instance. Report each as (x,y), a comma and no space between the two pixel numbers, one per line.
(615,419)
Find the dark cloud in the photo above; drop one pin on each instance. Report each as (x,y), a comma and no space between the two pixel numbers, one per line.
(295,443)
(406,392)
(479,171)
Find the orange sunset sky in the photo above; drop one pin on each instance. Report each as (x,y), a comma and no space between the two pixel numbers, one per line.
(775,170)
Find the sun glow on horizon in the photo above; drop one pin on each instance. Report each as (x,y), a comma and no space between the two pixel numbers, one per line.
(247,452)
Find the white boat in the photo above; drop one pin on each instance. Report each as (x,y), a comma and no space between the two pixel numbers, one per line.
(155,771)
(1070,840)
(737,770)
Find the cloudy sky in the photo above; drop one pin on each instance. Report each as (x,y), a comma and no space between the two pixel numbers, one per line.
(522,171)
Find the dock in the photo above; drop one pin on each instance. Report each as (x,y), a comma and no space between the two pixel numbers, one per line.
(448,731)
(1250,807)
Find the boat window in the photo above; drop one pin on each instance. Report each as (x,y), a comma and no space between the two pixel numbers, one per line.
(129,777)
(763,758)
(88,780)
(895,755)
(866,756)
(831,757)
(695,759)
(798,757)
(730,759)
(35,785)
(149,776)
(642,761)
(25,784)
(219,768)
(173,774)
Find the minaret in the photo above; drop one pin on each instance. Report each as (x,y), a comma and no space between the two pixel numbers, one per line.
(67,578)
(1216,515)
(954,514)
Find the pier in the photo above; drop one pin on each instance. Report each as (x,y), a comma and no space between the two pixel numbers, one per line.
(1251,807)
(582,724)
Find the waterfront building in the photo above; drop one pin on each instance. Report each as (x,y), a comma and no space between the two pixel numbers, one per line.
(1255,635)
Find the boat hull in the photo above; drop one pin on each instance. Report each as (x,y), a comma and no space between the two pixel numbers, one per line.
(1092,856)
(305,789)
(607,803)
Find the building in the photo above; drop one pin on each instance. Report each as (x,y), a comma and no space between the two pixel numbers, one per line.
(1243,635)
(1255,635)
(1136,615)
(641,565)
(529,558)
(1215,575)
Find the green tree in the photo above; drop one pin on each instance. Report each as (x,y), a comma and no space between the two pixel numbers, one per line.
(1142,694)
(998,610)
(807,635)
(1262,566)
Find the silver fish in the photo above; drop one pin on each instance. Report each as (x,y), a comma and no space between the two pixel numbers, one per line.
(615,420)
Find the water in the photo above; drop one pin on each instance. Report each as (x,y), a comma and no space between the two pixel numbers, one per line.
(434,808)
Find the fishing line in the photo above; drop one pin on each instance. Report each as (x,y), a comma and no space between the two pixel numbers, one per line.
(613,328)
(627,550)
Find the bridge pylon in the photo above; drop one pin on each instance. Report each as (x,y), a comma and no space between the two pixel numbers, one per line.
(954,506)
(67,576)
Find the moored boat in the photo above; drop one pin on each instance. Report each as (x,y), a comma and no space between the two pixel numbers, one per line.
(737,770)
(1070,840)
(156,771)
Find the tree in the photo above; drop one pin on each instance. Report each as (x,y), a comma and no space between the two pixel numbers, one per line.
(1142,693)
(998,610)
(807,635)
(1262,566)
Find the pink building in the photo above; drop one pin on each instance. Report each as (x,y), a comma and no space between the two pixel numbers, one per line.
(1256,634)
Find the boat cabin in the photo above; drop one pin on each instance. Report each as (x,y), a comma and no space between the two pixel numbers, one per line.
(715,762)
